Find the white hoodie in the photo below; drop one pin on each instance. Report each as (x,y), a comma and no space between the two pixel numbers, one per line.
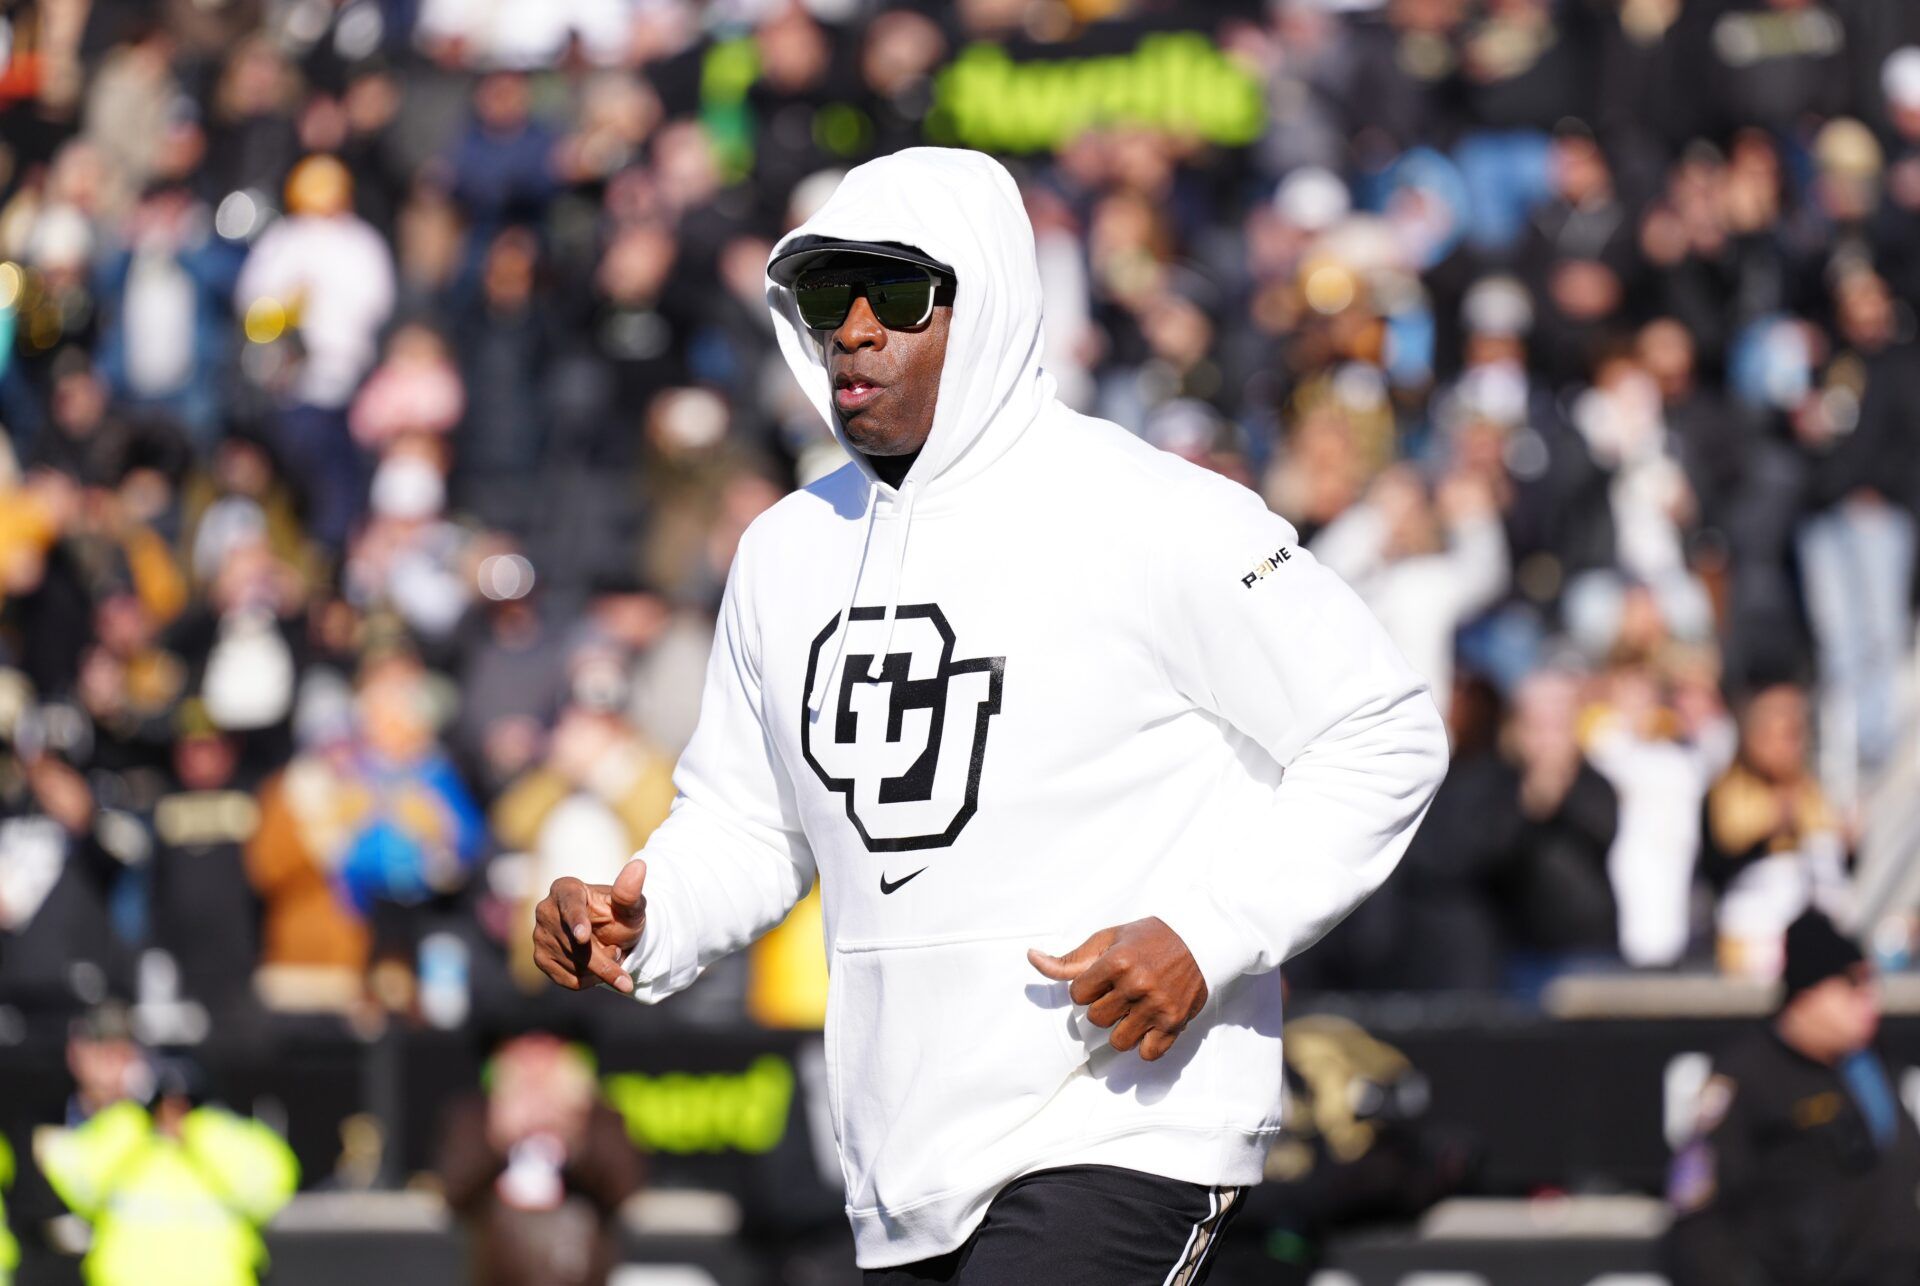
(1097,660)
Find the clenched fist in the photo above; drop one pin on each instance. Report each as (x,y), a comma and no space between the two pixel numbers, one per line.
(1138,978)
(582,932)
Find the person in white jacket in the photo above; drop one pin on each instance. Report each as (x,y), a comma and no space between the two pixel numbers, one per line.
(1079,742)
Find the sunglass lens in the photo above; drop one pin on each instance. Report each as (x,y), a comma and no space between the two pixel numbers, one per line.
(901,300)
(823,303)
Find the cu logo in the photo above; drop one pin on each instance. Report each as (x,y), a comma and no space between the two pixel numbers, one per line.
(906,748)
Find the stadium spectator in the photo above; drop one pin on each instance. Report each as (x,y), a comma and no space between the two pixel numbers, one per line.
(107,1065)
(175,1195)
(166,320)
(1856,541)
(1773,845)
(1659,740)
(57,872)
(1803,1167)
(1558,898)
(324,277)
(538,1166)
(1424,566)
(9,1244)
(591,803)
(204,914)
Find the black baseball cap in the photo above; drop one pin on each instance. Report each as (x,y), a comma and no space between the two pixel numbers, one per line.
(801,251)
(1816,950)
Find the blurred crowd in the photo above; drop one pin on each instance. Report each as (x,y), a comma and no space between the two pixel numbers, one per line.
(386,383)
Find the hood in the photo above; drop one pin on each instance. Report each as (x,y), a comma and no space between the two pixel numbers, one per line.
(962,208)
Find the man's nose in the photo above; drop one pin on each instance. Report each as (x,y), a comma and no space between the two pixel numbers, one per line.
(861,329)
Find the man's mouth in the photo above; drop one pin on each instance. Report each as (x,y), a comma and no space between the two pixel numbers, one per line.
(851,392)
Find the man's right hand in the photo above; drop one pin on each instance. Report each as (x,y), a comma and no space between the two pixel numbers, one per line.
(582,932)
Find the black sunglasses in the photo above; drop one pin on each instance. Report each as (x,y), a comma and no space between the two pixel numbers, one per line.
(902,294)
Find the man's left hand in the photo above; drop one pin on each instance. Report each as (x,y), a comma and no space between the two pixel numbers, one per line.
(1138,978)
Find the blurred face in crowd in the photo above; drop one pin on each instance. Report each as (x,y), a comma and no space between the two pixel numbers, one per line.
(371,101)
(79,401)
(256,81)
(104,1071)
(743,263)
(1141,161)
(634,618)
(1434,16)
(1835,1018)
(1665,349)
(635,267)
(1643,626)
(122,624)
(500,102)
(415,345)
(1750,183)
(885,381)
(1581,169)
(1905,114)
(508,275)
(1126,246)
(158,218)
(1545,720)
(685,167)
(793,51)
(204,761)
(248,576)
(1585,289)
(991,17)
(1774,737)
(1179,331)
(242,468)
(540,1086)
(394,709)
(319,188)
(901,49)
(1401,498)
(1321,450)
(686,423)
(1865,309)
(1496,348)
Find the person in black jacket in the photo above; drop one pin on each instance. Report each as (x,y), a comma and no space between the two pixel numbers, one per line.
(1805,1168)
(1856,430)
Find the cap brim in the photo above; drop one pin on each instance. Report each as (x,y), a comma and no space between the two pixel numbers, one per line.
(793,260)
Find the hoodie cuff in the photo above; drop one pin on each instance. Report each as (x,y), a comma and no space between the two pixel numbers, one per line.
(1220,944)
(656,974)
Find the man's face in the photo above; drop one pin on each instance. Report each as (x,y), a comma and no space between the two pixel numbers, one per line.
(1776,734)
(102,1069)
(885,381)
(1866,311)
(1841,1015)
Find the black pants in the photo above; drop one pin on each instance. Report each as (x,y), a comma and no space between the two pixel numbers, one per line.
(1083,1225)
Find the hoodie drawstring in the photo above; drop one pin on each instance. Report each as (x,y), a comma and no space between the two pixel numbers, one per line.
(908,491)
(816,699)
(817,696)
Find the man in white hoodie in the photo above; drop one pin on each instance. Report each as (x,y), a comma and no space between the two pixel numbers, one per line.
(1079,742)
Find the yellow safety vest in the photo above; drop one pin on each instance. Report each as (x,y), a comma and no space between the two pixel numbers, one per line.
(166,1211)
(9,1244)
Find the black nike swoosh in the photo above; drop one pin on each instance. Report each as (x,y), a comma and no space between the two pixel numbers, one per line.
(888,886)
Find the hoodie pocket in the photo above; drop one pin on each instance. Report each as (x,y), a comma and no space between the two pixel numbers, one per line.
(938,1054)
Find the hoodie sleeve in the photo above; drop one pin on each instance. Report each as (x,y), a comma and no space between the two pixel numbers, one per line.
(1253,629)
(729,861)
